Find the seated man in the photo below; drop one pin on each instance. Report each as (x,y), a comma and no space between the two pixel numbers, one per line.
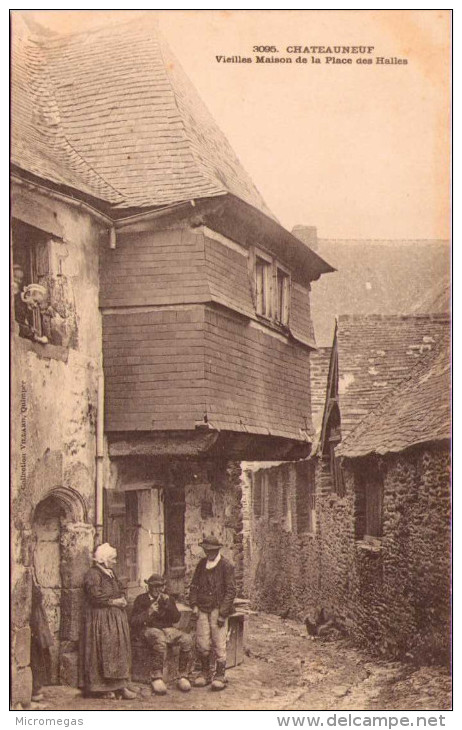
(153,616)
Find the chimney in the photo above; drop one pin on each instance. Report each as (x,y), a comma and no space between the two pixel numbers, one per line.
(307,234)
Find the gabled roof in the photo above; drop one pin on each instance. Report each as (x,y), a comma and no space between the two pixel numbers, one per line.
(379,277)
(110,113)
(417,412)
(375,353)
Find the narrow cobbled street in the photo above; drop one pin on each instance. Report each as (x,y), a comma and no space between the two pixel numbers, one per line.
(286,670)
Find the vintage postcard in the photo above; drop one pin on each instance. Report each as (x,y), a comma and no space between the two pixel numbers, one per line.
(230,362)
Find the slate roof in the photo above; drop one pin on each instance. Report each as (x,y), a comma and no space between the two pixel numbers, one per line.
(417,412)
(437,299)
(379,277)
(375,353)
(110,113)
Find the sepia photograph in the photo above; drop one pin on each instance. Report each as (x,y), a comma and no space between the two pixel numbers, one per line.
(230,363)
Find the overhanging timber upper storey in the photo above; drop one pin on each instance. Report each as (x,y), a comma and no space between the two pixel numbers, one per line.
(204,296)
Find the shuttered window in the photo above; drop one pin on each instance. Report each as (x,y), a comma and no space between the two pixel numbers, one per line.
(263,286)
(374,508)
(282,296)
(369,501)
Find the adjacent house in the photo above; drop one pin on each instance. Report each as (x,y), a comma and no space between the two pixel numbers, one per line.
(349,528)
(396,467)
(161,328)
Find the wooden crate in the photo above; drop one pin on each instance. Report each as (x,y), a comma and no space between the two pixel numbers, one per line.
(235,640)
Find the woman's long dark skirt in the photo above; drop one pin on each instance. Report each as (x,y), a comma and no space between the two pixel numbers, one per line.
(105,650)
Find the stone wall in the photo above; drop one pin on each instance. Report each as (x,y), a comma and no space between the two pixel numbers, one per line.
(213,504)
(390,593)
(281,556)
(405,604)
(53,417)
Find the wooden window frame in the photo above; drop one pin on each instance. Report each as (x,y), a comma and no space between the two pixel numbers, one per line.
(270,309)
(264,301)
(368,526)
(35,260)
(282,309)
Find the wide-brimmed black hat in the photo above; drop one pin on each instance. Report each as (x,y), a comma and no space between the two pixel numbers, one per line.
(210,541)
(155,579)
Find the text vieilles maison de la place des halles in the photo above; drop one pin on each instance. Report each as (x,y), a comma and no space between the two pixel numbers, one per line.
(333,55)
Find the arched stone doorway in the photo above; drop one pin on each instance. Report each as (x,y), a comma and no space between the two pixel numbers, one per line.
(62,554)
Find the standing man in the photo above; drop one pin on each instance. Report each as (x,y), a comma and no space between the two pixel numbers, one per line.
(153,616)
(211,597)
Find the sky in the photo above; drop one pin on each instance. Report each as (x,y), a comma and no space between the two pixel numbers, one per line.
(359,150)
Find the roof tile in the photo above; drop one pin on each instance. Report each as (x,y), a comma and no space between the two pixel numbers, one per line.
(95,111)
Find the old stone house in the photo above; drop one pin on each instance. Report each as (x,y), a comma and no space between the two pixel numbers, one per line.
(161,326)
(396,470)
(334,533)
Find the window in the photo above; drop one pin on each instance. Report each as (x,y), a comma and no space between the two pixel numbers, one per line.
(263,287)
(369,502)
(30,267)
(44,308)
(374,501)
(272,289)
(282,296)
(305,497)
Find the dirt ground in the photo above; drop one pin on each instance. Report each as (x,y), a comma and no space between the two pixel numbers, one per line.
(286,670)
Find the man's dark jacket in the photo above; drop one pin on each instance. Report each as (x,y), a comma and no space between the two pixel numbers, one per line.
(214,588)
(166,615)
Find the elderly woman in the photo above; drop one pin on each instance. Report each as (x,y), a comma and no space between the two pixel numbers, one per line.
(106,637)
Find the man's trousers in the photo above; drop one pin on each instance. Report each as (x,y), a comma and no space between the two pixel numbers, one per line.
(210,636)
(159,640)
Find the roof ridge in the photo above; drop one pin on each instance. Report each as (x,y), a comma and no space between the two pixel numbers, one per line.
(335,239)
(60,35)
(435,316)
